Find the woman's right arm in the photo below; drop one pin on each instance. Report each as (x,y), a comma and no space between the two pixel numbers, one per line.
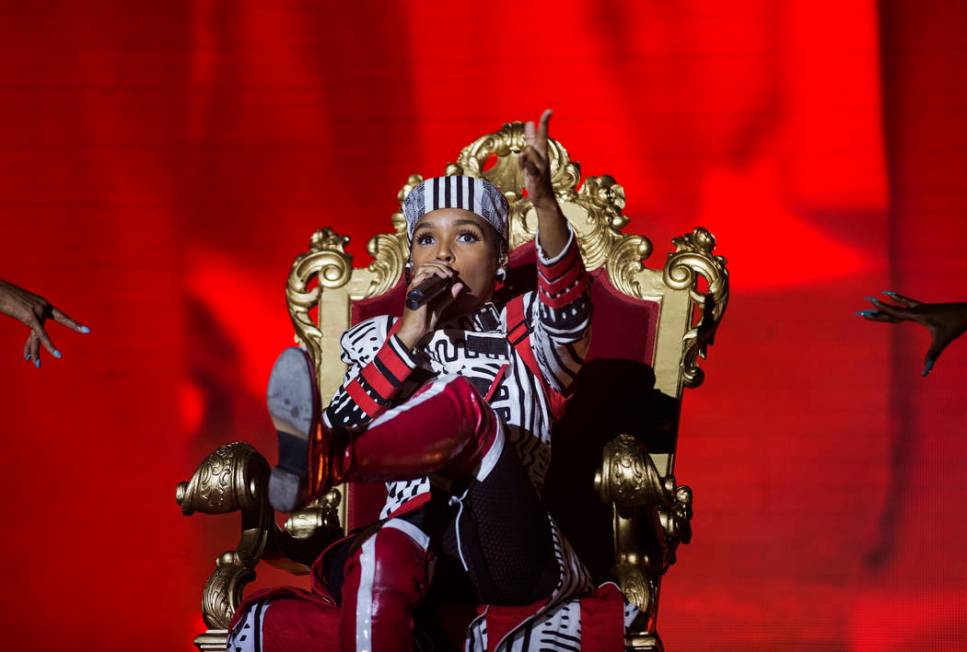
(377,365)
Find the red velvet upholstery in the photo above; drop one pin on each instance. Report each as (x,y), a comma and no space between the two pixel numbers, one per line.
(622,327)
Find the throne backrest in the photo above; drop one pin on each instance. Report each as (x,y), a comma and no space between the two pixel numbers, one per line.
(663,318)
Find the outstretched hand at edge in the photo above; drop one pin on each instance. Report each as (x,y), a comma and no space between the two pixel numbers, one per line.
(945,321)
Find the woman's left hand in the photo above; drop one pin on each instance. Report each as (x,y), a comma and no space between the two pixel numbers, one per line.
(536,164)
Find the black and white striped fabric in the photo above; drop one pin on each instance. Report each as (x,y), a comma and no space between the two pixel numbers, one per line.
(478,196)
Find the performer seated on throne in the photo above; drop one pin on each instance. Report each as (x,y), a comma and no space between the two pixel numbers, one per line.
(451,405)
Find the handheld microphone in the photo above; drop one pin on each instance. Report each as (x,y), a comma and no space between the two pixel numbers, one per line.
(427,290)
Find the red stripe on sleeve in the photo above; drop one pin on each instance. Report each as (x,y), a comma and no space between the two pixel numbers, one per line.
(383,386)
(563,265)
(568,297)
(565,281)
(362,399)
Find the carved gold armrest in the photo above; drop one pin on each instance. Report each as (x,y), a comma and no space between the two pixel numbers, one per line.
(235,478)
(652,515)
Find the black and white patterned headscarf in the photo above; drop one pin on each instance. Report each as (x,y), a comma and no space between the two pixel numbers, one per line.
(478,196)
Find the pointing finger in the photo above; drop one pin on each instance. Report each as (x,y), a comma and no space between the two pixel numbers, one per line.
(545,120)
(893,311)
(876,315)
(62,318)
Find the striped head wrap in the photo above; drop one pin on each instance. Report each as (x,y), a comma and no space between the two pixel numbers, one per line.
(478,196)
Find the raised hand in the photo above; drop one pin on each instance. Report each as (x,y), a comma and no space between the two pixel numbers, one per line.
(552,231)
(33,311)
(945,321)
(535,162)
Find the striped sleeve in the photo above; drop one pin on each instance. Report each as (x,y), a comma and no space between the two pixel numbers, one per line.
(377,364)
(561,318)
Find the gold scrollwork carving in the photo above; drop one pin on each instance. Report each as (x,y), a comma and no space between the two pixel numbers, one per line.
(693,258)
(227,480)
(223,591)
(328,263)
(322,514)
(628,476)
(624,263)
(390,251)
(389,254)
(635,586)
(651,517)
(232,478)
(603,243)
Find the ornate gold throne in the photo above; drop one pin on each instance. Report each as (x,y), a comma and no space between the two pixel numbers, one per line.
(649,329)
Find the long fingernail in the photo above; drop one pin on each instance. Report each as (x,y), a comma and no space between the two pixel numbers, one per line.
(85,329)
(889,293)
(866,313)
(57,354)
(37,362)
(927,367)
(870,298)
(27,357)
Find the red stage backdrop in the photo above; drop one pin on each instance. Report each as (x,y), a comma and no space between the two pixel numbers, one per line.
(162,162)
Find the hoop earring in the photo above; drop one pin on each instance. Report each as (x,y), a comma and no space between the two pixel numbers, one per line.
(501,274)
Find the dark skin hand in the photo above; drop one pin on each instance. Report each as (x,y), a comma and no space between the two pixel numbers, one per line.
(454,243)
(33,311)
(945,321)
(551,223)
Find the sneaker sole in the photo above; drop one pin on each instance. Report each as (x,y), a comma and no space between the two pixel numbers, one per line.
(291,399)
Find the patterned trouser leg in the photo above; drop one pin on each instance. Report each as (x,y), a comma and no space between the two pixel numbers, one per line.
(287,619)
(385,578)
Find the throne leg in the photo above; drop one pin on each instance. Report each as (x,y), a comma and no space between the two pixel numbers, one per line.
(651,517)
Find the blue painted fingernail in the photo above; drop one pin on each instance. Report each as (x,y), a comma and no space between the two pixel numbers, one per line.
(866,313)
(889,293)
(85,329)
(57,355)
(26,356)
(927,367)
(870,298)
(37,362)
